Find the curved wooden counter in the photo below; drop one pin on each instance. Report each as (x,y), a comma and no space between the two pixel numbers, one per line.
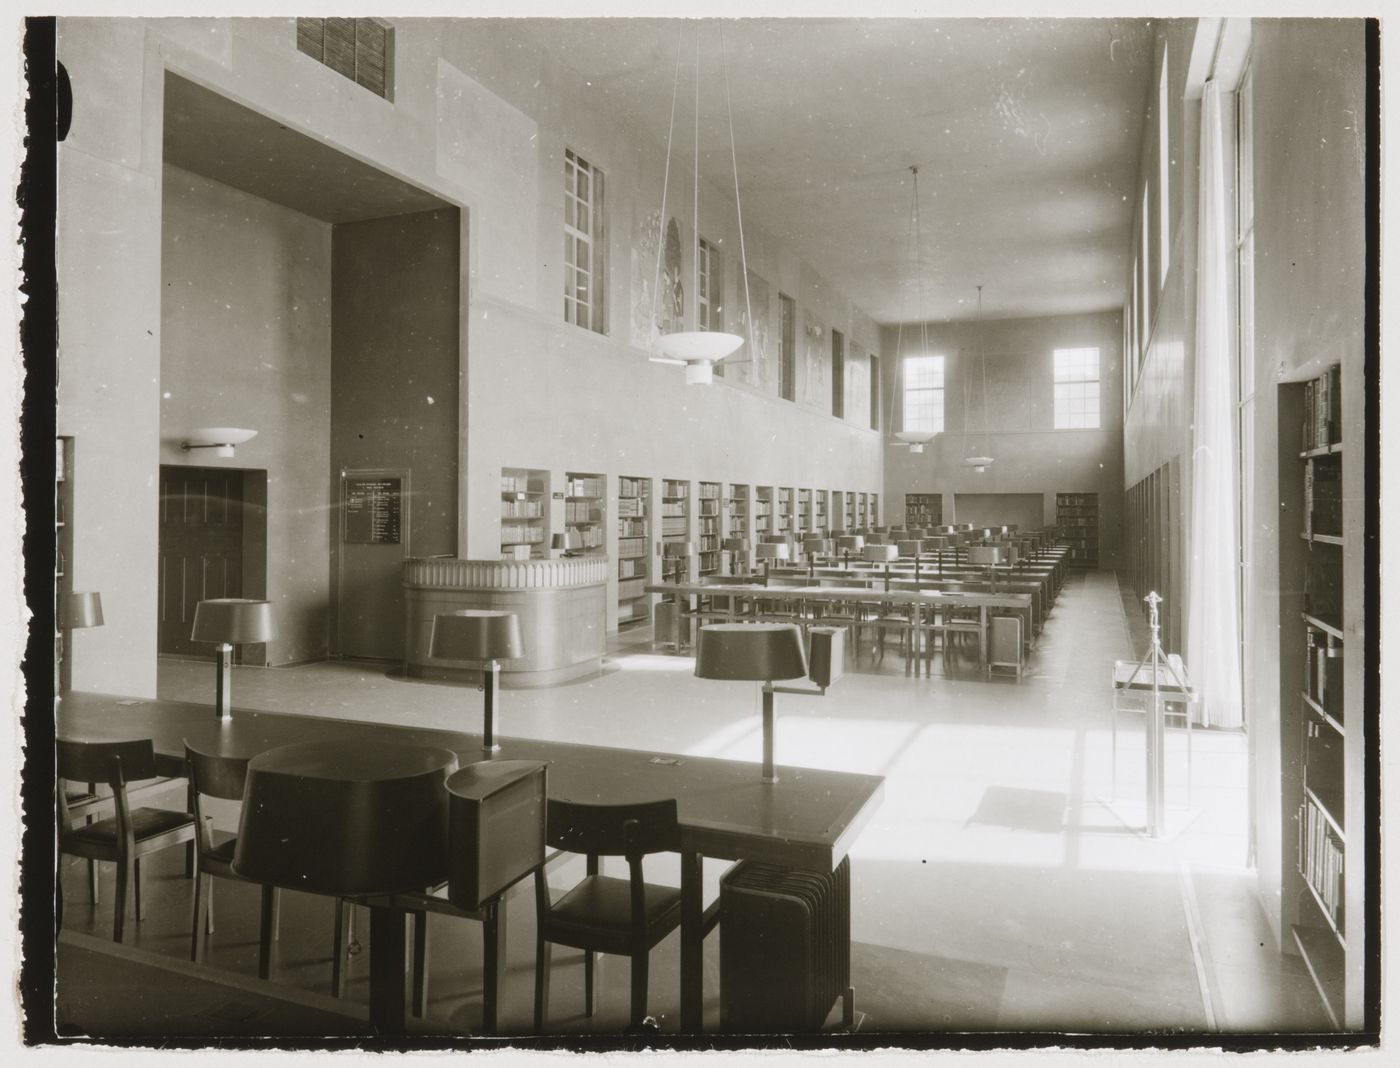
(562,605)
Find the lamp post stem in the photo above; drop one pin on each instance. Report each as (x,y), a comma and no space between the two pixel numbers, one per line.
(490,678)
(223,682)
(769,773)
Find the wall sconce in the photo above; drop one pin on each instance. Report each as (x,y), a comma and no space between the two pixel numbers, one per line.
(221,439)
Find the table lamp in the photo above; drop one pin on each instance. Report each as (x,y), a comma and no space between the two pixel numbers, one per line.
(769,551)
(226,622)
(79,610)
(813,545)
(483,636)
(735,546)
(848,544)
(761,652)
(680,552)
(882,554)
(566,543)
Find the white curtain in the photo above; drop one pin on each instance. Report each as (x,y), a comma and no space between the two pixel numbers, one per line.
(1213,654)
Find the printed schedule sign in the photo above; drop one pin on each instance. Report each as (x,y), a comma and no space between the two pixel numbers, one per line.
(372,510)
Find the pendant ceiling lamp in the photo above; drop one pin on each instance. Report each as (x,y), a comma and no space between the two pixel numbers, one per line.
(698,350)
(915,439)
(982,461)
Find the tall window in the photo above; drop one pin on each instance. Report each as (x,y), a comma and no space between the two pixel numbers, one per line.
(1244,333)
(1145,235)
(1076,389)
(838,375)
(707,298)
(583,243)
(1164,156)
(923,394)
(787,347)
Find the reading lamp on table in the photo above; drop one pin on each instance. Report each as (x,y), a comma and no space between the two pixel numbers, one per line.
(758,652)
(769,551)
(882,554)
(226,622)
(812,546)
(850,543)
(912,547)
(680,552)
(735,546)
(78,610)
(484,636)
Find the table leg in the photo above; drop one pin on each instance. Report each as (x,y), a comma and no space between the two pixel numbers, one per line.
(493,936)
(692,944)
(386,966)
(982,614)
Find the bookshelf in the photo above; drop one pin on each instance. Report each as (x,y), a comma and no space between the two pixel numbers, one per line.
(874,509)
(586,510)
(524,519)
(784,514)
(739,522)
(633,549)
(802,519)
(675,517)
(862,518)
(923,510)
(711,522)
(62,558)
(1077,518)
(820,522)
(762,512)
(1323,738)
(850,513)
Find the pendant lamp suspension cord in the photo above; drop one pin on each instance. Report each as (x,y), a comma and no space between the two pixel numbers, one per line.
(665,185)
(982,359)
(738,209)
(897,386)
(695,219)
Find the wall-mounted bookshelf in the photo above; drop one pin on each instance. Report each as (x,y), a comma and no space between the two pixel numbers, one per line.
(762,512)
(633,550)
(675,523)
(711,522)
(524,513)
(1323,741)
(819,514)
(849,513)
(802,518)
(874,509)
(739,521)
(923,510)
(1077,521)
(783,524)
(586,510)
(862,521)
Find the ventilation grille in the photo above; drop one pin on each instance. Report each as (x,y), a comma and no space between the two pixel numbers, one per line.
(360,49)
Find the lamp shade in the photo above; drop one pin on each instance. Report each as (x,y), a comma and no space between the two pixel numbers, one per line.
(814,544)
(750,651)
(881,554)
(910,547)
(678,548)
(986,554)
(570,539)
(83,610)
(707,345)
(476,634)
(773,550)
(736,545)
(851,542)
(233,621)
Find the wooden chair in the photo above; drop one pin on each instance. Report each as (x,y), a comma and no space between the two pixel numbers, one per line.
(602,914)
(130,833)
(221,777)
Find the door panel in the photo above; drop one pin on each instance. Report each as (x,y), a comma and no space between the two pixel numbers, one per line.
(201,548)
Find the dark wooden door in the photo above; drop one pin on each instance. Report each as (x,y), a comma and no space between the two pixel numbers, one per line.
(201,548)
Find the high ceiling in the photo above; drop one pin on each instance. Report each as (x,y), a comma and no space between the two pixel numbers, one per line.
(1026,133)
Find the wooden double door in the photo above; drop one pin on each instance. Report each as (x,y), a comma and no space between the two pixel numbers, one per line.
(201,548)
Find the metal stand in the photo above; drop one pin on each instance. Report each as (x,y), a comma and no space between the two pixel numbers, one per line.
(223,682)
(1156,661)
(490,679)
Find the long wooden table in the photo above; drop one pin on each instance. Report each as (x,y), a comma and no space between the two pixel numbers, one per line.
(921,600)
(808,820)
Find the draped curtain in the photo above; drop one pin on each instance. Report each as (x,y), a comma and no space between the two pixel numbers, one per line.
(1213,653)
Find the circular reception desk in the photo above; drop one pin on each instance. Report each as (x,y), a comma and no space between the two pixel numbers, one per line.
(562,605)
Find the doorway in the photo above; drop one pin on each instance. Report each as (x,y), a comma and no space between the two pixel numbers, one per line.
(212,524)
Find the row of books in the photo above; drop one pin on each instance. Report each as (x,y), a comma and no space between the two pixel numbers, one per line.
(1322,862)
(1077,500)
(631,528)
(631,506)
(592,537)
(1322,497)
(672,526)
(673,508)
(521,532)
(582,512)
(709,542)
(1322,409)
(633,568)
(633,487)
(709,491)
(710,506)
(520,484)
(585,486)
(631,588)
(526,509)
(709,524)
(631,547)
(671,488)
(1322,671)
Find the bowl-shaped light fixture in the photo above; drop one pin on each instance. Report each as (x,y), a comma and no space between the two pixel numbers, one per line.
(915,439)
(708,345)
(221,439)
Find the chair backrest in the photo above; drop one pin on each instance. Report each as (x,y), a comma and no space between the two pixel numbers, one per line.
(216,776)
(113,763)
(630,831)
